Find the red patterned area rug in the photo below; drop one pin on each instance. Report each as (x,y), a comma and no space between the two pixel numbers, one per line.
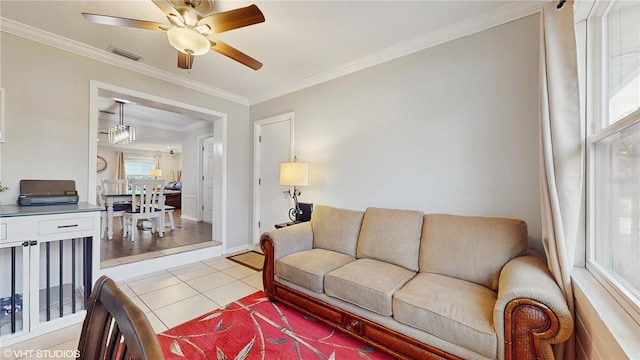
(254,328)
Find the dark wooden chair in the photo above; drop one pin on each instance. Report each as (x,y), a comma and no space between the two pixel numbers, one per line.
(115,328)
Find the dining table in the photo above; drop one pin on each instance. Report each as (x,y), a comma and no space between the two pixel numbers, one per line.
(111,199)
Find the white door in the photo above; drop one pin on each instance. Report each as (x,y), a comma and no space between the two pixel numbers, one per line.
(274,146)
(207,179)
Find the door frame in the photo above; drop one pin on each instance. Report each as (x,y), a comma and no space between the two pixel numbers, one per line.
(219,224)
(257,131)
(219,125)
(201,140)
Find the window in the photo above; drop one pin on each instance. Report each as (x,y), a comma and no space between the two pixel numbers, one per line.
(617,206)
(623,59)
(138,167)
(614,150)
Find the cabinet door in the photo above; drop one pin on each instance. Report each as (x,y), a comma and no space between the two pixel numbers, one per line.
(58,286)
(14,290)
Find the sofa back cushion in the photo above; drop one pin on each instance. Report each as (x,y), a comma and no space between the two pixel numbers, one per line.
(471,248)
(391,236)
(336,229)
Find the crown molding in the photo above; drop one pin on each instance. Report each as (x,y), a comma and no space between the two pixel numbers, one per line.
(502,15)
(47,38)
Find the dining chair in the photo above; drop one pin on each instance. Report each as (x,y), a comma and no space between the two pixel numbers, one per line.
(169,211)
(147,202)
(117,186)
(118,211)
(114,186)
(115,328)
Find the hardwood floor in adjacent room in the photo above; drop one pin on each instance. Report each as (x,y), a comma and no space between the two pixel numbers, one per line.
(188,235)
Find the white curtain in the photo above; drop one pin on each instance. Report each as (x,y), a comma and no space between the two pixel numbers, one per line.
(156,160)
(120,170)
(561,146)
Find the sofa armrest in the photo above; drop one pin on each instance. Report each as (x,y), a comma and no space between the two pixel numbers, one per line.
(290,239)
(531,312)
(281,242)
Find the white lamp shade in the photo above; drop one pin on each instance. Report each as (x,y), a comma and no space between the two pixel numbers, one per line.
(294,174)
(188,41)
(155,172)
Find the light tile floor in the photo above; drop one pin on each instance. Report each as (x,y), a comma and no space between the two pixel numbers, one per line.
(169,298)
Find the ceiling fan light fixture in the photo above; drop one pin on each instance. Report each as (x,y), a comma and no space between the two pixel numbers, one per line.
(175,20)
(188,41)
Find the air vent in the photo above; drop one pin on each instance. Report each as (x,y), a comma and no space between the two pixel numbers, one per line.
(124,53)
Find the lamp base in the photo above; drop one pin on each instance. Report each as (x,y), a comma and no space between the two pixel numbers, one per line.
(295,212)
(294,215)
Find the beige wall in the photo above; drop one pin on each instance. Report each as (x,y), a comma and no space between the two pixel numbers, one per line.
(451,129)
(47,121)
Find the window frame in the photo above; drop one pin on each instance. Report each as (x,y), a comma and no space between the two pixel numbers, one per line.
(597,119)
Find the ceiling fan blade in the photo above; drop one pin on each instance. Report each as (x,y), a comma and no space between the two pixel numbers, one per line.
(171,12)
(119,21)
(185,61)
(235,54)
(233,19)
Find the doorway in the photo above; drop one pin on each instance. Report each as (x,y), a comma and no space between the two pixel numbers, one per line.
(191,160)
(273,144)
(208,176)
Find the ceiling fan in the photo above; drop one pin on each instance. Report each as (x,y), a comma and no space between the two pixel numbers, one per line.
(192,21)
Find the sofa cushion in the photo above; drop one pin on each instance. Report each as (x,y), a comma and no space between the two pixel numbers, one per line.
(367,283)
(307,268)
(336,229)
(471,248)
(455,310)
(391,236)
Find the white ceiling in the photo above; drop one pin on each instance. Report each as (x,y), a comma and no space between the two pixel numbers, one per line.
(301,43)
(160,127)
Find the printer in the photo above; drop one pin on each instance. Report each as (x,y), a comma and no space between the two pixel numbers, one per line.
(47,192)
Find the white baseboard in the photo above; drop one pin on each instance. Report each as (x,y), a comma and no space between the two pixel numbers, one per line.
(238,249)
(187,217)
(143,267)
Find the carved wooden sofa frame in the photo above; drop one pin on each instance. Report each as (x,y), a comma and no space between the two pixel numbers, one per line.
(529,325)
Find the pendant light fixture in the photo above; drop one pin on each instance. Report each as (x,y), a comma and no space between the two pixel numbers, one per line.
(121,133)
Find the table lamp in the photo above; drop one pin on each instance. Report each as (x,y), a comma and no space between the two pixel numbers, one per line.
(155,173)
(294,174)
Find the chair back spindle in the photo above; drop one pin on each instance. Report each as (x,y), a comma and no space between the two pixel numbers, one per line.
(147,199)
(114,186)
